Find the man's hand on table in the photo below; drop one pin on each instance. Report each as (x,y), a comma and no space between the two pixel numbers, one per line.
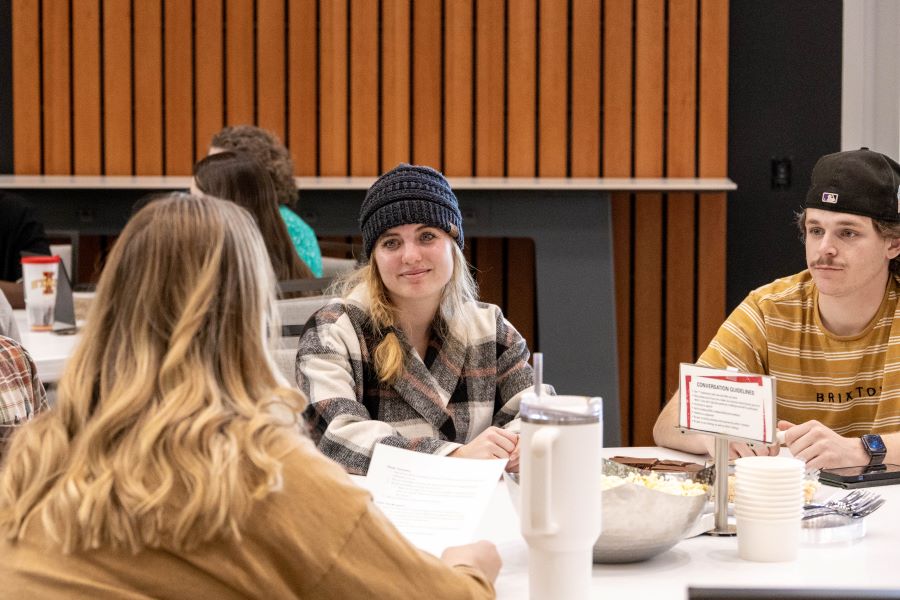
(820,447)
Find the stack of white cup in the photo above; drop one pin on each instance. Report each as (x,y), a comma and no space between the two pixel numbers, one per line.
(768,503)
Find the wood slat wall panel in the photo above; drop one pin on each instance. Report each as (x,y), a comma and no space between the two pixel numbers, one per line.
(488,255)
(520,288)
(56,93)
(712,134)
(209,78)
(426,83)
(87,128)
(148,84)
(616,158)
(553,89)
(489,87)
(303,86)
(26,53)
(333,58)
(585,88)
(117,98)
(458,84)
(270,66)
(680,162)
(521,83)
(648,224)
(395,82)
(363,87)
(239,62)
(179,77)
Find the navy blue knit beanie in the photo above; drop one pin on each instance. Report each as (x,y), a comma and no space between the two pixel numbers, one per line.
(409,194)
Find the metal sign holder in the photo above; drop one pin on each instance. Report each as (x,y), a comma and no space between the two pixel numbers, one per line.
(720,460)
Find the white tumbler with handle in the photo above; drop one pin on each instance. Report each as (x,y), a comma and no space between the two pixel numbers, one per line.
(560,471)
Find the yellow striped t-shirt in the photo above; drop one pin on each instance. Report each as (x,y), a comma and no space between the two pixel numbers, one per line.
(849,383)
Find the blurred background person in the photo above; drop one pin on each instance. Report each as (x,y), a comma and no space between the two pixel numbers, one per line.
(174,465)
(22,394)
(266,148)
(239,178)
(8,326)
(19,231)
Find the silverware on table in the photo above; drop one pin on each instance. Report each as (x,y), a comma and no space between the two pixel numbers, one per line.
(856,504)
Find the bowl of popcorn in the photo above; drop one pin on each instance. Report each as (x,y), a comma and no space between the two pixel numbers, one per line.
(645,513)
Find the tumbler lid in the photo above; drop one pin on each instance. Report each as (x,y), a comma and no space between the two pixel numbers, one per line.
(561,410)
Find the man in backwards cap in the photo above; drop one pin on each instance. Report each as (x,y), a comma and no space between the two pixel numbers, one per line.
(830,335)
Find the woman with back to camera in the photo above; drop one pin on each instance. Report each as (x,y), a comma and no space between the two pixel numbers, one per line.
(407,356)
(173,465)
(241,179)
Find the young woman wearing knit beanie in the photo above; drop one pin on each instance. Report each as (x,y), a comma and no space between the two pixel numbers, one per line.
(407,356)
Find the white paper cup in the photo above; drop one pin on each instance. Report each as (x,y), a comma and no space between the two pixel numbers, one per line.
(776,478)
(768,515)
(769,503)
(39,276)
(765,540)
(769,464)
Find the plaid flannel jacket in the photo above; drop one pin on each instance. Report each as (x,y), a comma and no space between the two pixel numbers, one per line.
(458,391)
(21,391)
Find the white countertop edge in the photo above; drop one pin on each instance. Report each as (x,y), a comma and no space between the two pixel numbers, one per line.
(610,184)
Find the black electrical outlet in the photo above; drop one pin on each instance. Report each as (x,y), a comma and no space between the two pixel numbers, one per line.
(781,173)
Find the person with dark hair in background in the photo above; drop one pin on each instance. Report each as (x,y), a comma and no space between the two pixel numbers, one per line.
(239,178)
(266,148)
(19,231)
(828,334)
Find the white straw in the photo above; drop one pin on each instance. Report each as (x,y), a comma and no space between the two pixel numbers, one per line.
(538,362)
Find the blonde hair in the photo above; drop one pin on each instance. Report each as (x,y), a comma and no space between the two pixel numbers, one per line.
(170,407)
(389,354)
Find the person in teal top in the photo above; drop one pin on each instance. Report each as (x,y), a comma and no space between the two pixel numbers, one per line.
(304,239)
(266,148)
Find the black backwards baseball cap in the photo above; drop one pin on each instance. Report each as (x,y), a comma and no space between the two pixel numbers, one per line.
(860,182)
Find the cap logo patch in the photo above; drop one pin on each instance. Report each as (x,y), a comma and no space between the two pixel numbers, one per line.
(829,197)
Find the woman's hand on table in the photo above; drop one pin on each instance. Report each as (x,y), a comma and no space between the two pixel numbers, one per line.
(493,442)
(482,555)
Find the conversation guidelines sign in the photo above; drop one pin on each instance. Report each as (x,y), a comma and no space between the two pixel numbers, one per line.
(727,403)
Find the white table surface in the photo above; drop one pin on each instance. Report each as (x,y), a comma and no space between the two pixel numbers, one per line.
(708,561)
(50,351)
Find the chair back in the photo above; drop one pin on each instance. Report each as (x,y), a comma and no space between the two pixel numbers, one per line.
(294,314)
(313,287)
(332,267)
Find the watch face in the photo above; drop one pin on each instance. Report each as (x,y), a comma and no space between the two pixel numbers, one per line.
(874,443)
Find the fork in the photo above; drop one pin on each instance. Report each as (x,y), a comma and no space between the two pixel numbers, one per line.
(846,501)
(860,508)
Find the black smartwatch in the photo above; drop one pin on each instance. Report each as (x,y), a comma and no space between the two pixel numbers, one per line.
(875,448)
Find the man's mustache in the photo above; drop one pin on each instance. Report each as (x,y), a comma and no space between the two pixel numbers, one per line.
(826,262)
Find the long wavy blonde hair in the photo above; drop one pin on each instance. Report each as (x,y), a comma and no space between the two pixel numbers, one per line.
(171,408)
(384,316)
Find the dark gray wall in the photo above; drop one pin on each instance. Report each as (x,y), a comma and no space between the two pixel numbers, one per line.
(784,102)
